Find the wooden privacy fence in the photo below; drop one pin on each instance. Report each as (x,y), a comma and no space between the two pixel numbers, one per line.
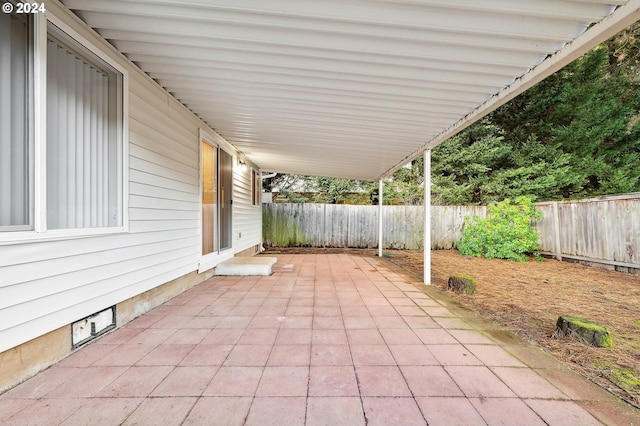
(599,230)
(342,225)
(603,230)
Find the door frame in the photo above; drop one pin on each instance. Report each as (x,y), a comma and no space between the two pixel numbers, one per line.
(210,260)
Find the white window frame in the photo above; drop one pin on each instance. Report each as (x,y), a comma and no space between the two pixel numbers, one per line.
(256,187)
(38,120)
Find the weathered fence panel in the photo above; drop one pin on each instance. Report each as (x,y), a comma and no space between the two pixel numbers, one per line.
(336,225)
(604,230)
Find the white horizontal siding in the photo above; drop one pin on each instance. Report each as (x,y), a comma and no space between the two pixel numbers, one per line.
(60,278)
(152,202)
(147,137)
(45,319)
(247,219)
(25,272)
(154,157)
(48,284)
(158,214)
(164,127)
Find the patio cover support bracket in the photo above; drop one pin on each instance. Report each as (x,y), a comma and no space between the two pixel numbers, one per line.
(427,217)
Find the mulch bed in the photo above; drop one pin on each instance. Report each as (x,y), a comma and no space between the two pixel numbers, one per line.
(528,297)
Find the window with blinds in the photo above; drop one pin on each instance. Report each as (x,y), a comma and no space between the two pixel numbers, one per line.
(256,187)
(69,174)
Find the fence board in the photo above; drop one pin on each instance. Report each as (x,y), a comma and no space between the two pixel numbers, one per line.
(605,229)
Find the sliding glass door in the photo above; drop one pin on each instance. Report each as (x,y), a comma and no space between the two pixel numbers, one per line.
(226,201)
(209,197)
(217,188)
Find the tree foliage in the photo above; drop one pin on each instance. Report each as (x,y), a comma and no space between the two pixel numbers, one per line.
(285,187)
(588,114)
(337,190)
(506,232)
(405,187)
(480,166)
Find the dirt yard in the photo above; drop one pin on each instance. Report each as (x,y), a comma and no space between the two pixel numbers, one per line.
(528,297)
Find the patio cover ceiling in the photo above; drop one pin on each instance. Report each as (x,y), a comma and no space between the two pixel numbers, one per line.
(349,88)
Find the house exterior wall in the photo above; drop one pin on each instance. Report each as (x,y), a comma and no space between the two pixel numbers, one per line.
(247,218)
(45,285)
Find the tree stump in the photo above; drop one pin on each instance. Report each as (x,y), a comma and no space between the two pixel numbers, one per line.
(584,331)
(462,284)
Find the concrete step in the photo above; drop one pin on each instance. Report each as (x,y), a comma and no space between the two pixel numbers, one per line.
(244,266)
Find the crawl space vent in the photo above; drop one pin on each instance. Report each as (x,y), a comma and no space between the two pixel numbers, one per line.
(89,328)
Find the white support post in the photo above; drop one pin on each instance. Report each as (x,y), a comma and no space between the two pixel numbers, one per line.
(556,224)
(427,217)
(380,202)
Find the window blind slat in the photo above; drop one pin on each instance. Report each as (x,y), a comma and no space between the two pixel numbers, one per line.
(86,143)
(69,62)
(94,148)
(107,158)
(79,147)
(60,165)
(99,152)
(53,120)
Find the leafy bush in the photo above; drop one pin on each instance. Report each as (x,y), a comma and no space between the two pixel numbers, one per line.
(506,232)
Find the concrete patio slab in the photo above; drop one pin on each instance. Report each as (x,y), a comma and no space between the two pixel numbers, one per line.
(330,339)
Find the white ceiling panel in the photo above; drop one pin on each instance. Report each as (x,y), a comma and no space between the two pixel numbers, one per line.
(349,88)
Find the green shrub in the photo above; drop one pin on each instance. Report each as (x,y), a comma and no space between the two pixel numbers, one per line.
(506,232)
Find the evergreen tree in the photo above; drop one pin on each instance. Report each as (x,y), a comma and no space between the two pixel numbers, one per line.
(575,134)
